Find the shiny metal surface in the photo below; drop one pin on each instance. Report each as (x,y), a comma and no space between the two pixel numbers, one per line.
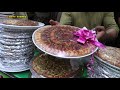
(16,48)
(103,69)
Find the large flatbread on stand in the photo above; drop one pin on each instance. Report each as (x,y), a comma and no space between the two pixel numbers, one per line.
(59,42)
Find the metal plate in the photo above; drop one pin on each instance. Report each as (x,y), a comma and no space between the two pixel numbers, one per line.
(15,35)
(14,69)
(59,56)
(6,75)
(21,27)
(106,63)
(103,69)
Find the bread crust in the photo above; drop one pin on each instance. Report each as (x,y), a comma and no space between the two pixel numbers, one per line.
(61,39)
(110,55)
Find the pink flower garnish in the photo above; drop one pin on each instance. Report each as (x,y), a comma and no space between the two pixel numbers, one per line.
(85,35)
(88,36)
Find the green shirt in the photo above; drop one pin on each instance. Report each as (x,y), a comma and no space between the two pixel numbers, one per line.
(21,15)
(89,19)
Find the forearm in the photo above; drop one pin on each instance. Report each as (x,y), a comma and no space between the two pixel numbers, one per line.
(109,36)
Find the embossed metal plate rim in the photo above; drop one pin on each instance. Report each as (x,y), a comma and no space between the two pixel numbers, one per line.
(106,63)
(21,27)
(20,69)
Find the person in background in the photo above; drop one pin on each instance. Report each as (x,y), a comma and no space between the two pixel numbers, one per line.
(103,22)
(39,16)
(117,19)
(31,15)
(13,15)
(43,17)
(21,15)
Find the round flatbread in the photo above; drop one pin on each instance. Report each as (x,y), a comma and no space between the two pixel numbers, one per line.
(50,67)
(60,40)
(20,22)
(110,55)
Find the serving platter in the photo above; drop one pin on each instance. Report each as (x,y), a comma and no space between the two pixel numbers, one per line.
(58,54)
(108,65)
(12,27)
(15,68)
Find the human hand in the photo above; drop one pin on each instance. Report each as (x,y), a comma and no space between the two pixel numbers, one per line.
(100,31)
(52,22)
(1,76)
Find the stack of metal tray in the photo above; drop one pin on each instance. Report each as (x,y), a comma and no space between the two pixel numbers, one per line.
(103,69)
(16,47)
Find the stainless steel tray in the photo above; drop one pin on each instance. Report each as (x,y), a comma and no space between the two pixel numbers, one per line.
(56,55)
(14,69)
(11,27)
(106,63)
(103,69)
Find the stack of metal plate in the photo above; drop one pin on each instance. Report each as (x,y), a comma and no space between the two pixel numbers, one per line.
(16,47)
(103,69)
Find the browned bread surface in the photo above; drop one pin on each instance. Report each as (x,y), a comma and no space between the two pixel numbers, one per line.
(60,39)
(20,22)
(110,54)
(51,67)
